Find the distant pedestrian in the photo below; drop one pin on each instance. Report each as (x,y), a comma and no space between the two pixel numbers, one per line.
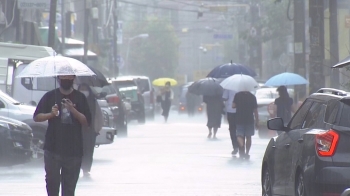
(167,95)
(228,97)
(283,105)
(246,105)
(215,108)
(67,112)
(90,133)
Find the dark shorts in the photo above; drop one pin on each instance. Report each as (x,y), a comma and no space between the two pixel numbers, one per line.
(245,130)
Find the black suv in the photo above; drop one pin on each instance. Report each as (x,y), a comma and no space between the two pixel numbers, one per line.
(311,156)
(15,142)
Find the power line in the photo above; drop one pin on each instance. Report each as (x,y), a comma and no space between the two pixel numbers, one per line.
(158,7)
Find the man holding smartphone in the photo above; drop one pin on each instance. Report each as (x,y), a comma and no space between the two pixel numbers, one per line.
(67,111)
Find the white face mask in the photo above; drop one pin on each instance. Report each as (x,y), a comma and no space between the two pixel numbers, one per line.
(86,93)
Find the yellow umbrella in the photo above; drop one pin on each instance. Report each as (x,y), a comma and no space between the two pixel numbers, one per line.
(162,81)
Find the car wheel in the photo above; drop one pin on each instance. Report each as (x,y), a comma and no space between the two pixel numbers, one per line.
(300,185)
(38,141)
(266,183)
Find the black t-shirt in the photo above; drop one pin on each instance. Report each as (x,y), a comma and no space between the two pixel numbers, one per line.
(64,137)
(245,104)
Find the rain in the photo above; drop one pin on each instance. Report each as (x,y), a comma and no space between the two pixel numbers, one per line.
(174,97)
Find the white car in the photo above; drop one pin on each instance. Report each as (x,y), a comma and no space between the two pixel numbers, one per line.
(144,85)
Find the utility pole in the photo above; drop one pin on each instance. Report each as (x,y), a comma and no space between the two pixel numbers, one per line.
(316,14)
(63,25)
(52,24)
(255,33)
(86,31)
(333,36)
(299,45)
(115,46)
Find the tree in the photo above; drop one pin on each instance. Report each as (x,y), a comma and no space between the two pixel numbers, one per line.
(274,24)
(156,56)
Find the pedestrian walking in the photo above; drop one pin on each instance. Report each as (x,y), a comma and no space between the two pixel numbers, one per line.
(215,108)
(228,97)
(246,105)
(67,112)
(283,105)
(167,95)
(90,133)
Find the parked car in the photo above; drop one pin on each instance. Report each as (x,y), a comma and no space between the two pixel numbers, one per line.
(15,142)
(106,134)
(265,97)
(11,108)
(117,106)
(311,155)
(132,96)
(145,89)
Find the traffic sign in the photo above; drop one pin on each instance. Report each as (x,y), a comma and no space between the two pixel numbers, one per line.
(33,4)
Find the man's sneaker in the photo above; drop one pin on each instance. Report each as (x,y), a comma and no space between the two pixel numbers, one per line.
(234,152)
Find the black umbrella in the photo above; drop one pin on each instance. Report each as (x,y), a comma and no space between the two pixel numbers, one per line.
(99,80)
(227,70)
(206,87)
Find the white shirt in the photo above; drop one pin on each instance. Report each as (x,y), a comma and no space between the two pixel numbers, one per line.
(228,96)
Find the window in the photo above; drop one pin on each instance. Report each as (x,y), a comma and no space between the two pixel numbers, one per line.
(298,118)
(314,118)
(332,111)
(345,114)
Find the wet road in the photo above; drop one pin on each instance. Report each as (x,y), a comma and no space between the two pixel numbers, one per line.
(156,159)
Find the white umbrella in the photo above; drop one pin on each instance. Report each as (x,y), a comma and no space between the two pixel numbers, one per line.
(239,83)
(55,66)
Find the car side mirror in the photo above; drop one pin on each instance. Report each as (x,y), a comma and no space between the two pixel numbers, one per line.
(276,124)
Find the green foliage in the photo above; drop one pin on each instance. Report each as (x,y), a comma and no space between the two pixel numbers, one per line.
(156,56)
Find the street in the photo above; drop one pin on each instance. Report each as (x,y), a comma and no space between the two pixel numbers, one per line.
(174,158)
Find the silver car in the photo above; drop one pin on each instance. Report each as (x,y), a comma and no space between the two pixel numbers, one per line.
(106,134)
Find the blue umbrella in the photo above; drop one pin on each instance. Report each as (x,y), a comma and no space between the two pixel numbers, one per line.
(286,79)
(227,70)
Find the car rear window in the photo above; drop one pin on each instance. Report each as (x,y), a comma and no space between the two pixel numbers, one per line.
(130,92)
(345,114)
(143,84)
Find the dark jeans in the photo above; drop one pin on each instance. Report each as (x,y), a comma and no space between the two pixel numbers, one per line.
(231,118)
(61,170)
(89,140)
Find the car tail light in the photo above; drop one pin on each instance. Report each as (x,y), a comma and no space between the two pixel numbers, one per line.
(182,108)
(113,99)
(200,109)
(326,143)
(331,194)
